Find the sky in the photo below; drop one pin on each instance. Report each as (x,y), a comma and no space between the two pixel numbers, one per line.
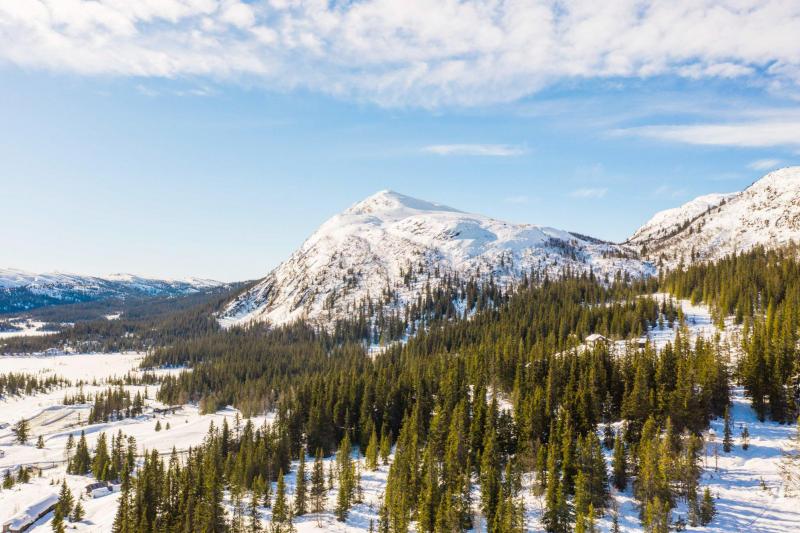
(174,138)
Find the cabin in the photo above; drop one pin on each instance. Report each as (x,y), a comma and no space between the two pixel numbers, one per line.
(24,519)
(97,490)
(595,339)
(169,409)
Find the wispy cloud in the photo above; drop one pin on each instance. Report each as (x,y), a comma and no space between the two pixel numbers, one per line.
(424,53)
(765,164)
(490,150)
(589,192)
(746,134)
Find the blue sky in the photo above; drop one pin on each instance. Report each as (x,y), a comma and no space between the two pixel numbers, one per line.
(109,163)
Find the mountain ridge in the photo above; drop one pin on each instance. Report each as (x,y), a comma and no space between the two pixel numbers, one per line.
(21,290)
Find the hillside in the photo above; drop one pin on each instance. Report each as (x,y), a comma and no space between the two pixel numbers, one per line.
(710,227)
(23,291)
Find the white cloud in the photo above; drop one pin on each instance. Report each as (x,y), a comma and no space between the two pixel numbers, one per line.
(756,133)
(765,164)
(408,52)
(491,150)
(589,192)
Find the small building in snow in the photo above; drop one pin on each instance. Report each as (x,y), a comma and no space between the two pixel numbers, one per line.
(97,490)
(24,519)
(596,339)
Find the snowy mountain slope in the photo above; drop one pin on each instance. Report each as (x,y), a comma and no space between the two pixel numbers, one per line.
(376,244)
(20,290)
(766,213)
(670,221)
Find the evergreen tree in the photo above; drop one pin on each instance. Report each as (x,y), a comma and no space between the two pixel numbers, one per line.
(727,439)
(40,442)
(318,490)
(707,508)
(619,464)
(745,438)
(77,512)
(253,514)
(346,470)
(301,492)
(372,451)
(281,515)
(21,430)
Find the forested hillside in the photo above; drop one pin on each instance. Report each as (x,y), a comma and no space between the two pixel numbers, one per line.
(474,403)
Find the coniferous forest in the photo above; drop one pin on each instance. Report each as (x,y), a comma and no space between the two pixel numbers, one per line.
(494,393)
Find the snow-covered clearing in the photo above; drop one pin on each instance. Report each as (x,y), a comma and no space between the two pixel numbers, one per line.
(735,478)
(55,422)
(27,328)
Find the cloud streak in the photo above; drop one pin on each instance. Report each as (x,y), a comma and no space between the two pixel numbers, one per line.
(765,164)
(746,134)
(485,150)
(426,53)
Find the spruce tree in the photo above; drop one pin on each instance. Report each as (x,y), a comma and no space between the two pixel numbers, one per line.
(727,439)
(21,431)
(281,519)
(301,491)
(618,464)
(77,512)
(253,514)
(745,438)
(372,451)
(318,490)
(707,508)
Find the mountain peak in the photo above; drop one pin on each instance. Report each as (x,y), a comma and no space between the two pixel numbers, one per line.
(391,201)
(710,227)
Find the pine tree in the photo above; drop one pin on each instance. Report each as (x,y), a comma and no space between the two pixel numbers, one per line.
(81,461)
(254,514)
(102,460)
(77,512)
(346,471)
(727,440)
(40,442)
(745,438)
(490,476)
(301,492)
(318,490)
(63,507)
(618,464)
(556,514)
(707,508)
(281,519)
(372,451)
(21,430)
(385,447)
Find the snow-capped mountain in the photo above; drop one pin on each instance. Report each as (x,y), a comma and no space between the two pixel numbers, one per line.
(713,226)
(20,290)
(373,245)
(670,221)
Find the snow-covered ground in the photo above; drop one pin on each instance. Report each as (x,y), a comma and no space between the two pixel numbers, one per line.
(55,422)
(735,478)
(27,328)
